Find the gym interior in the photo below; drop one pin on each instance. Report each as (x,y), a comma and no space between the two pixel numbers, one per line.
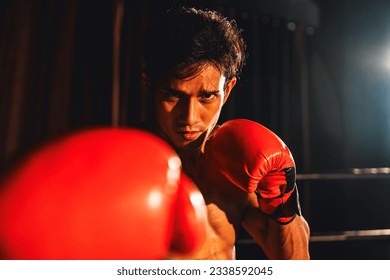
(318,74)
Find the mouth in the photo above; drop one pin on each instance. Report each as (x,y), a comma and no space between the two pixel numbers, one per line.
(189,135)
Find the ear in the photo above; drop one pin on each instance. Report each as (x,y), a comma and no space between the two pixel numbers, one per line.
(229,88)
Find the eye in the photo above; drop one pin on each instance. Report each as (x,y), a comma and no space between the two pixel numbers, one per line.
(207,97)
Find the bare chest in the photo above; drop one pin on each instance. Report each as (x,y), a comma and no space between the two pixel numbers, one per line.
(226,204)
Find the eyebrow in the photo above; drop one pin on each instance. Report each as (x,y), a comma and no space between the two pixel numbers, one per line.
(210,92)
(183,92)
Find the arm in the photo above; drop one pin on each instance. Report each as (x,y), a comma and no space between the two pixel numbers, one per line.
(279,241)
(256,160)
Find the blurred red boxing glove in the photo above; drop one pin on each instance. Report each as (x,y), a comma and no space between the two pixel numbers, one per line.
(190,218)
(104,193)
(256,160)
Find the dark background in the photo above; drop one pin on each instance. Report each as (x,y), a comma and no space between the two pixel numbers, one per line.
(317,74)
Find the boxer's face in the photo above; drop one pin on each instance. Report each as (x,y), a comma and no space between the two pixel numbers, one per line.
(187,110)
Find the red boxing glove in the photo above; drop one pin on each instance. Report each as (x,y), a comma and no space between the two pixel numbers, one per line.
(104,193)
(190,218)
(255,159)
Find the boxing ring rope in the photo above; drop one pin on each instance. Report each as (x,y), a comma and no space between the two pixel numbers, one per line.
(351,235)
(339,236)
(355,173)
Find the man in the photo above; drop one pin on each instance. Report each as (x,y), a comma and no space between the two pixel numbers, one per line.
(192,61)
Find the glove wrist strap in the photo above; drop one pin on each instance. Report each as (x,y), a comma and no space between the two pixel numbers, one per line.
(287,208)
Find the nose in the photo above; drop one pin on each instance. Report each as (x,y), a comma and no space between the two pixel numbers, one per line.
(189,111)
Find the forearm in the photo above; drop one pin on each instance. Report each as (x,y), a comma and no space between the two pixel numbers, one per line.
(289,241)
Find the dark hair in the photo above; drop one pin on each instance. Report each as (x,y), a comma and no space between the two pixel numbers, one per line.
(182,41)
